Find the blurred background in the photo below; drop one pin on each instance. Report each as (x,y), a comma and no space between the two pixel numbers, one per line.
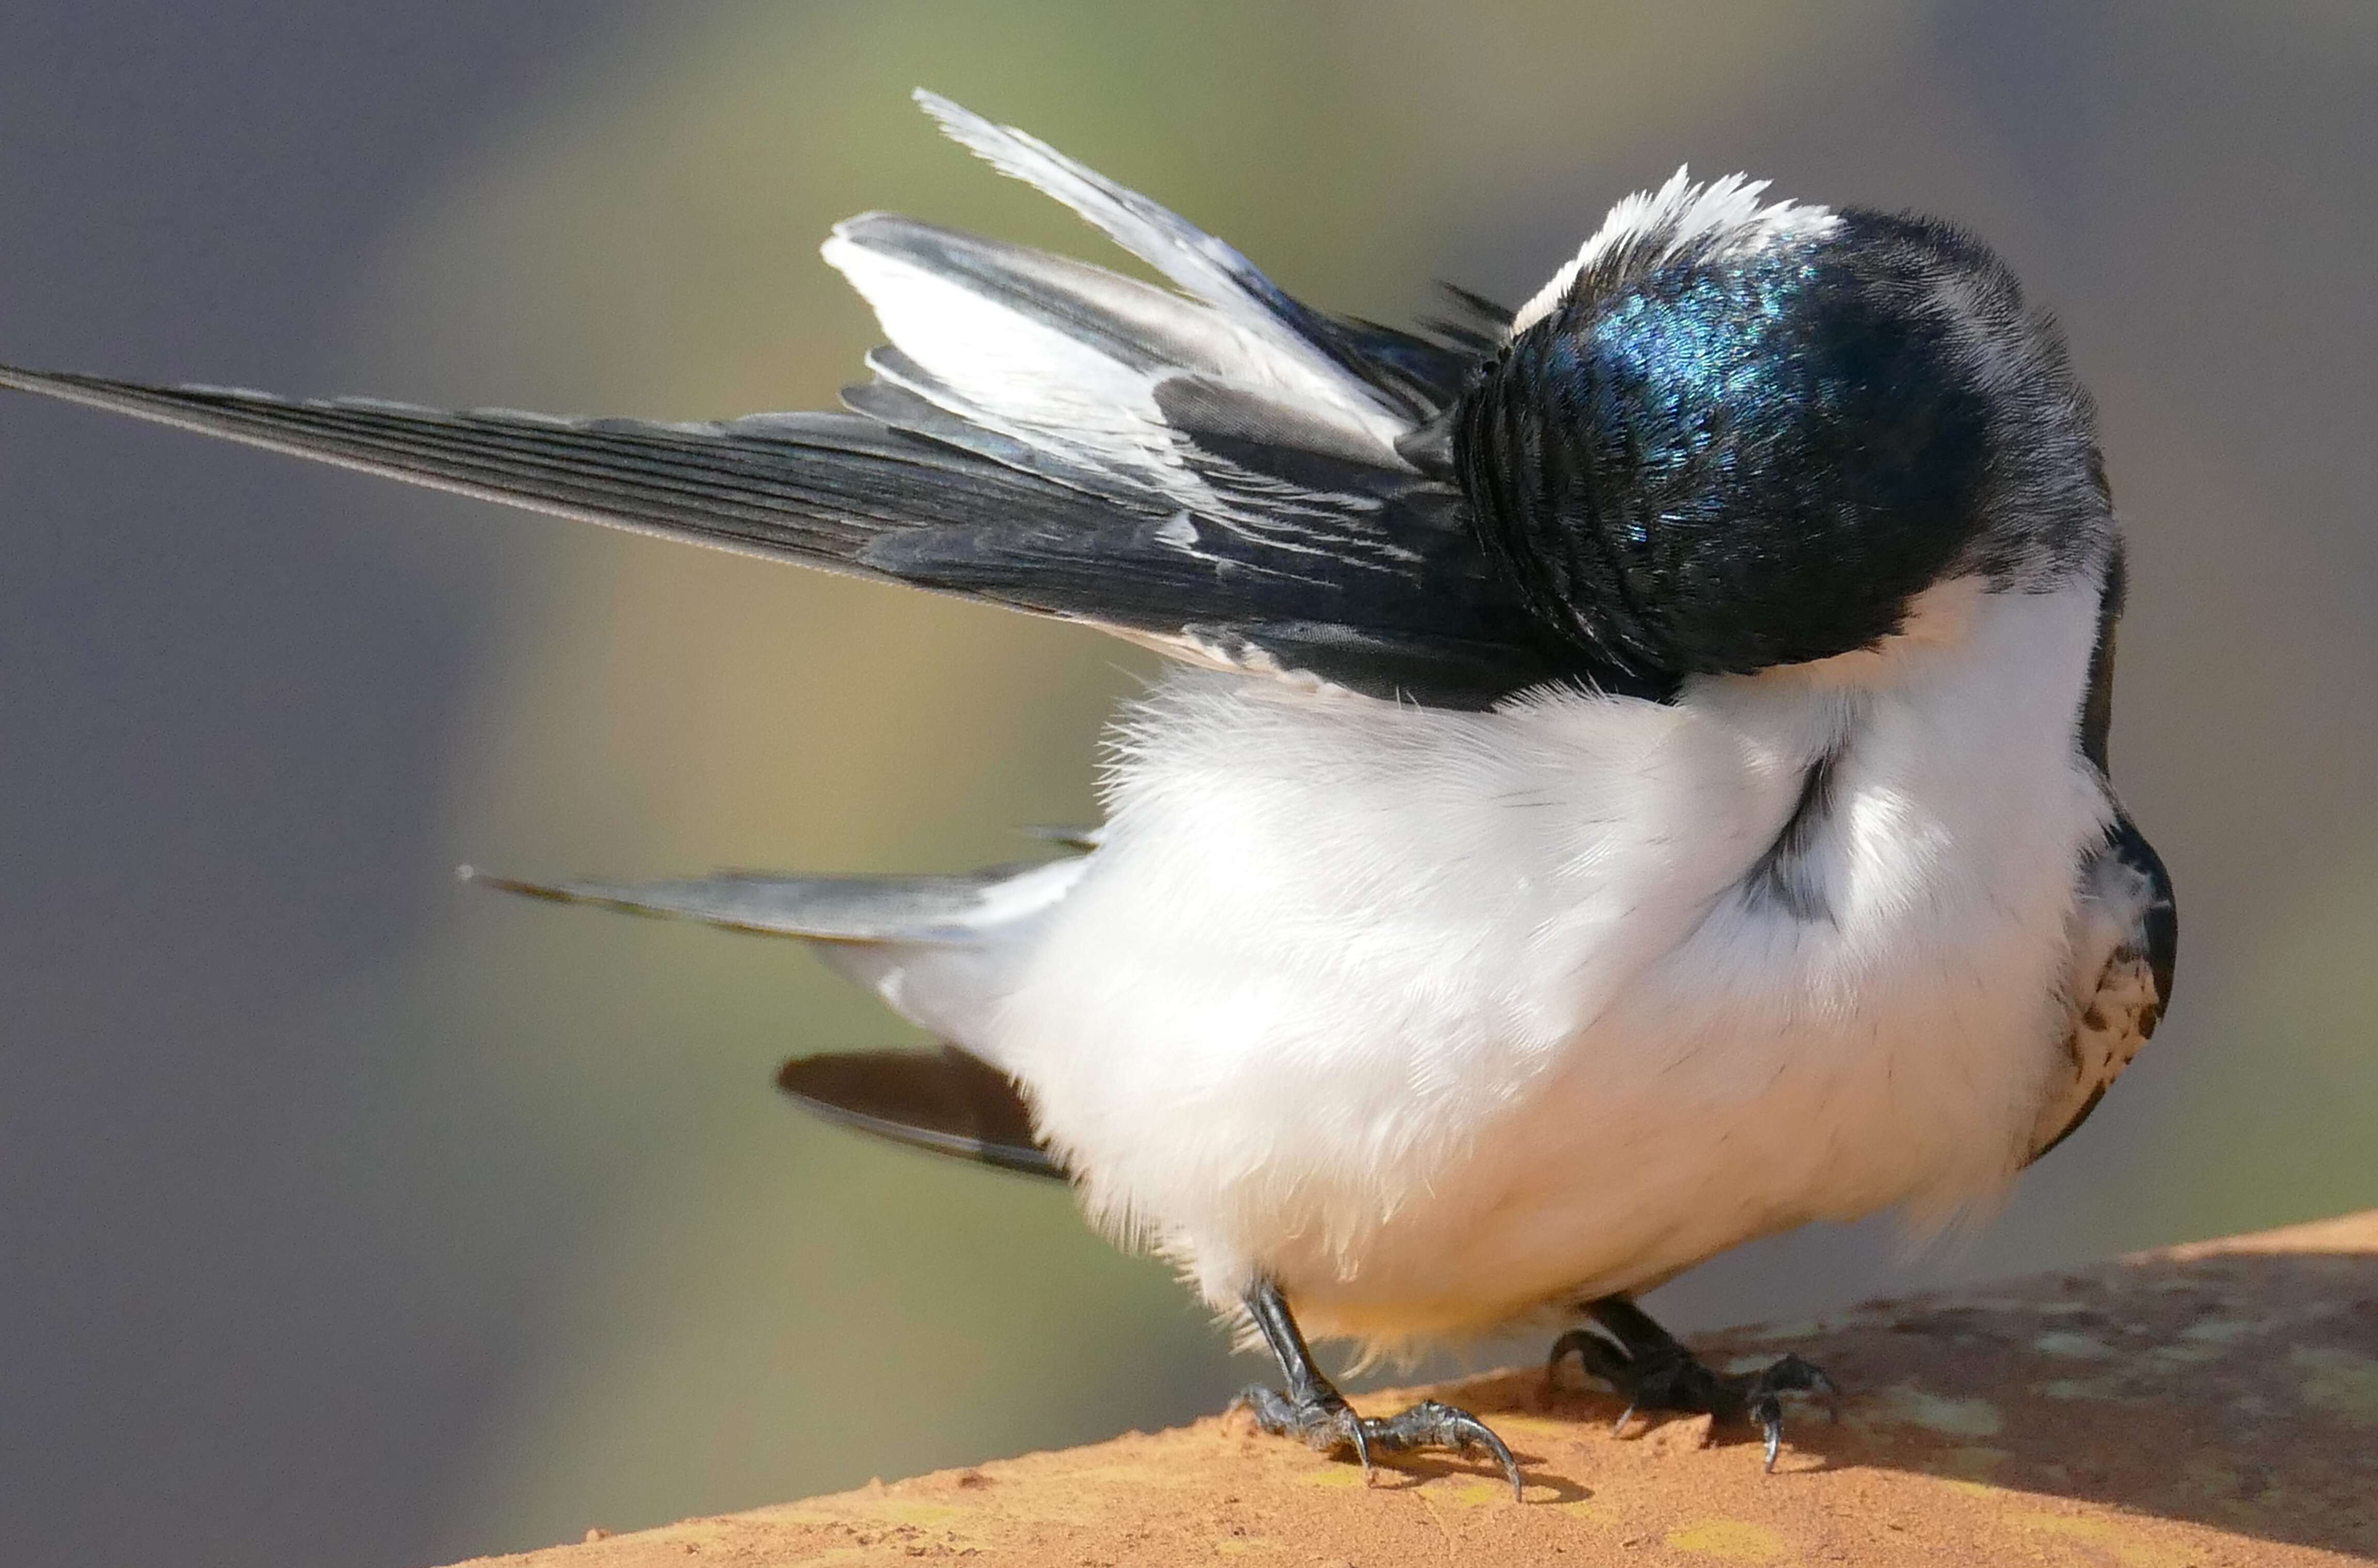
(350,1216)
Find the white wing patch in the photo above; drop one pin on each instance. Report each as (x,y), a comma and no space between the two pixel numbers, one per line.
(1110,376)
(1009,369)
(1209,269)
(1022,365)
(1722,217)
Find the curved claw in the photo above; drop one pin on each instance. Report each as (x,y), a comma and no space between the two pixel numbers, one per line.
(1353,1425)
(1581,1342)
(1653,1371)
(1790,1375)
(1472,1432)
(1599,1359)
(1433,1424)
(1327,1423)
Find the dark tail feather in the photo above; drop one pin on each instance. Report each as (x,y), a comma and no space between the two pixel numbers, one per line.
(948,1102)
(817,489)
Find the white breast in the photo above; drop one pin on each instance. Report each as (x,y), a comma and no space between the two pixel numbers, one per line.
(1434,1017)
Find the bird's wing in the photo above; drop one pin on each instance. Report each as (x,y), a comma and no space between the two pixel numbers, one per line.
(946,1101)
(2128,954)
(932,911)
(1368,371)
(939,950)
(1221,472)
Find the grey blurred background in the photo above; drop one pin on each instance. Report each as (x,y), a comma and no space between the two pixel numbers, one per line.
(349,1216)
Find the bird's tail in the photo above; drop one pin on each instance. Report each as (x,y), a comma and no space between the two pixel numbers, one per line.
(939,950)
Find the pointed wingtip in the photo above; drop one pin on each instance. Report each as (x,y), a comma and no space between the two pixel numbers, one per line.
(16,377)
(1004,147)
(163,404)
(1082,839)
(554,893)
(649,899)
(955,118)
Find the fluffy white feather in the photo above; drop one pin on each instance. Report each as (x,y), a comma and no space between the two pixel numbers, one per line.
(1009,369)
(1501,1026)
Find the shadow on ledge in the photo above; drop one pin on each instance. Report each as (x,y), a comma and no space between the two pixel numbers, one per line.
(2210,1403)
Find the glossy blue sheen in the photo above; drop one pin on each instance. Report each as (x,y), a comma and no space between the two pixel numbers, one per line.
(1726,462)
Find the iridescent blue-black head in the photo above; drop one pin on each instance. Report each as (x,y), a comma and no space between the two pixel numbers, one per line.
(1731,437)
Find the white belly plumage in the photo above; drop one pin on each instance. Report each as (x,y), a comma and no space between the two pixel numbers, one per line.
(1435,1018)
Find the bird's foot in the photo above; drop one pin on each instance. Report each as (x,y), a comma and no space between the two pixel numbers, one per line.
(1653,1371)
(1326,1422)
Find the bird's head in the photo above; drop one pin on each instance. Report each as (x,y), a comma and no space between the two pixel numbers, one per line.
(1728,437)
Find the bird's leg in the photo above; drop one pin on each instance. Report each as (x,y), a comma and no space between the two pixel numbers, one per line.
(1314,1409)
(1646,1363)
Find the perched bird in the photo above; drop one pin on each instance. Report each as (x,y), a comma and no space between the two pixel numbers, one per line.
(1634,778)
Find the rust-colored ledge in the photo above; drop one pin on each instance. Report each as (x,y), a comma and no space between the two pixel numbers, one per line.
(2216,1404)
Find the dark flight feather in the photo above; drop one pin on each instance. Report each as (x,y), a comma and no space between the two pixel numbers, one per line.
(948,1102)
(1375,584)
(1218,472)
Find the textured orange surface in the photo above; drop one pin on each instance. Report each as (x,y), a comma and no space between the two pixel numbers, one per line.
(2212,1405)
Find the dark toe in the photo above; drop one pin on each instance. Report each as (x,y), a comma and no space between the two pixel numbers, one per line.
(1330,1423)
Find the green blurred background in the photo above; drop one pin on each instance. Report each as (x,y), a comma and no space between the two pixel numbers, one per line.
(353,1217)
